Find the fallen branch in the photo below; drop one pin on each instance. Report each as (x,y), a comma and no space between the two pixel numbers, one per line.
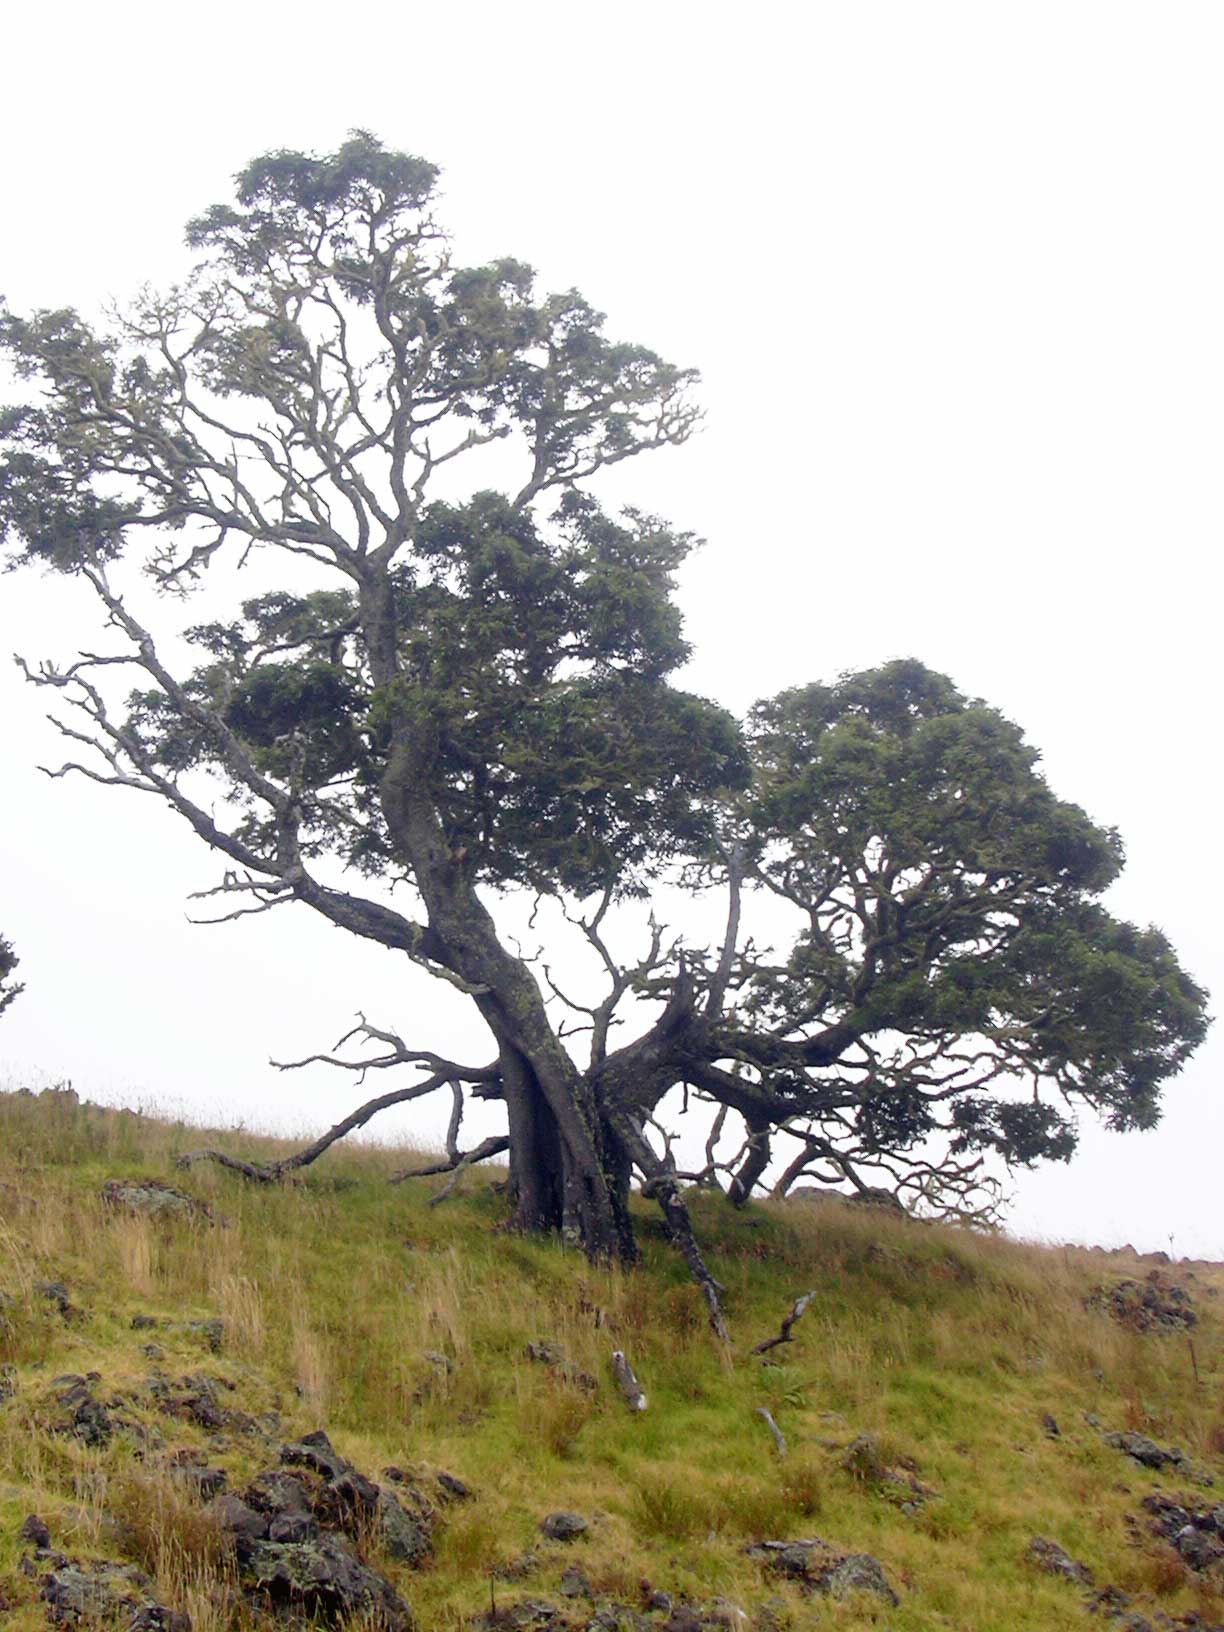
(779,1436)
(493,1146)
(270,1172)
(784,1333)
(660,1183)
(635,1395)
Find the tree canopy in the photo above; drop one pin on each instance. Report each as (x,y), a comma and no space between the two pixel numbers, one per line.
(469,692)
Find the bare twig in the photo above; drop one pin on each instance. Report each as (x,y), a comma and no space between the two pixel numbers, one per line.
(779,1437)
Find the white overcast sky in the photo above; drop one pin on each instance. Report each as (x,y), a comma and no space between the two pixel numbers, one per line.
(954,277)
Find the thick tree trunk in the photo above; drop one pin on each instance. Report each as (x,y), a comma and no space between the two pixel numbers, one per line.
(557,1155)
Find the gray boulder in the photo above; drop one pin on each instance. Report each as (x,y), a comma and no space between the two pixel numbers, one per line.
(564,1526)
(326,1579)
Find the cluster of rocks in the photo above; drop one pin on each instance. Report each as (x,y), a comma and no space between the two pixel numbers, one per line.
(1047,1555)
(1146,1451)
(1117,1608)
(1197,1533)
(817,1567)
(1111,1603)
(295,1533)
(1156,1304)
(78,1590)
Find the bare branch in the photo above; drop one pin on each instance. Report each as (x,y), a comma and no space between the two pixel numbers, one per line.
(784,1331)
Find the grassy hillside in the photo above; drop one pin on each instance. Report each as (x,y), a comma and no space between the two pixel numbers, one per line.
(352,1305)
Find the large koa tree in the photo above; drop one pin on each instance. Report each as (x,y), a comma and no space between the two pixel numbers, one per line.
(467,693)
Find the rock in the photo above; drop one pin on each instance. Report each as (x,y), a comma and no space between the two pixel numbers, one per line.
(57,1293)
(8,1378)
(89,1420)
(316,1451)
(152,1351)
(203,1483)
(1155,1305)
(1055,1560)
(453,1489)
(858,1572)
(573,1583)
(1145,1451)
(275,1492)
(563,1526)
(1196,1533)
(862,1461)
(293,1527)
(149,1198)
(660,1603)
(1050,1426)
(345,1500)
(515,1569)
(528,1612)
(684,1618)
(820,1568)
(76,1592)
(35,1531)
(724,1612)
(212,1331)
(236,1519)
(324,1578)
(1199,1549)
(545,1354)
(617,1618)
(193,1398)
(402,1535)
(143,1323)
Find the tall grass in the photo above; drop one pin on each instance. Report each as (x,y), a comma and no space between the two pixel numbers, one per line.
(351,1305)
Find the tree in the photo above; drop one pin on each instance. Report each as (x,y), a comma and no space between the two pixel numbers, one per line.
(9,960)
(469,696)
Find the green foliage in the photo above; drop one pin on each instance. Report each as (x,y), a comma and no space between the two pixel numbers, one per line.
(952,919)
(9,960)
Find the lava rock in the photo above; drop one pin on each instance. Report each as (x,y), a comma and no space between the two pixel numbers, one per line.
(857,1572)
(564,1526)
(88,1419)
(820,1568)
(1145,1451)
(1055,1560)
(57,1293)
(35,1531)
(1154,1305)
(293,1527)
(236,1519)
(149,1198)
(75,1592)
(324,1578)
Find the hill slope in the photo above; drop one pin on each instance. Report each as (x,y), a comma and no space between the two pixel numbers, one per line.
(402,1330)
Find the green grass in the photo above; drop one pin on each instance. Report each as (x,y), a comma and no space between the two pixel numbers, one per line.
(945,1345)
